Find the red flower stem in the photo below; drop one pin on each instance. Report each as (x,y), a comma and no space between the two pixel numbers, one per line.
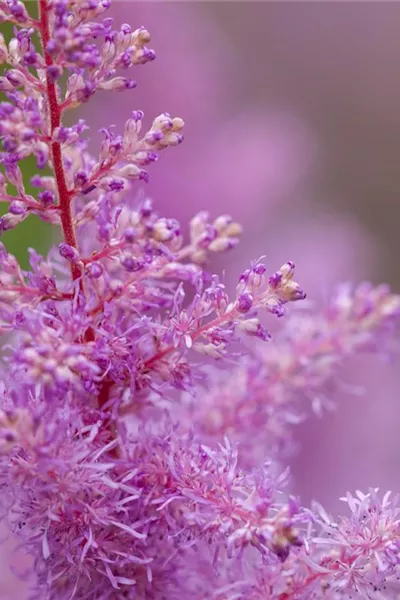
(64,196)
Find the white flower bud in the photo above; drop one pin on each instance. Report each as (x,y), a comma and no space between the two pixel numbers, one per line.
(116,84)
(249,325)
(130,171)
(140,37)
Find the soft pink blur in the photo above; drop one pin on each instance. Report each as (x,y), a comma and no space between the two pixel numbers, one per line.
(240,161)
(357,446)
(264,165)
(12,587)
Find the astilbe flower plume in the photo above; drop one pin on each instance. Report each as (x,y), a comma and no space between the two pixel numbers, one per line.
(270,390)
(130,466)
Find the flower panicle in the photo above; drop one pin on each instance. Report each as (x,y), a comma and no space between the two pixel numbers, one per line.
(354,556)
(108,322)
(313,343)
(116,485)
(68,493)
(267,391)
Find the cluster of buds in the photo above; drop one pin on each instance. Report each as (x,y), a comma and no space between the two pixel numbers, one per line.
(122,49)
(122,158)
(217,236)
(256,290)
(15,11)
(267,391)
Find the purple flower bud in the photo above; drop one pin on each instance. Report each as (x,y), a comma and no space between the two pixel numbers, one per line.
(149,54)
(36,180)
(10,145)
(16,78)
(146,208)
(125,59)
(30,58)
(244,302)
(42,156)
(244,277)
(104,231)
(68,252)
(18,11)
(14,175)
(144,176)
(130,264)
(276,309)
(137,115)
(54,72)
(112,184)
(130,235)
(94,270)
(259,269)
(10,220)
(5,85)
(17,208)
(6,109)
(89,189)
(275,279)
(118,84)
(47,198)
(116,185)
(61,134)
(116,146)
(80,178)
(262,333)
(209,235)
(28,135)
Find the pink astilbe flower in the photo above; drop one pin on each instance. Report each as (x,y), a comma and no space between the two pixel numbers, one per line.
(266,394)
(113,483)
(120,519)
(353,556)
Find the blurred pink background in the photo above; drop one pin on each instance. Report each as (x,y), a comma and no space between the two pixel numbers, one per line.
(293,127)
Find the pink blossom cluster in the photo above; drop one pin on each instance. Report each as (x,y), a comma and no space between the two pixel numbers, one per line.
(145,411)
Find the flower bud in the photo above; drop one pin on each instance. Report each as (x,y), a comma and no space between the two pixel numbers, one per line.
(16,78)
(244,302)
(130,235)
(10,220)
(130,171)
(94,270)
(68,252)
(140,37)
(222,244)
(17,208)
(118,84)
(130,264)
